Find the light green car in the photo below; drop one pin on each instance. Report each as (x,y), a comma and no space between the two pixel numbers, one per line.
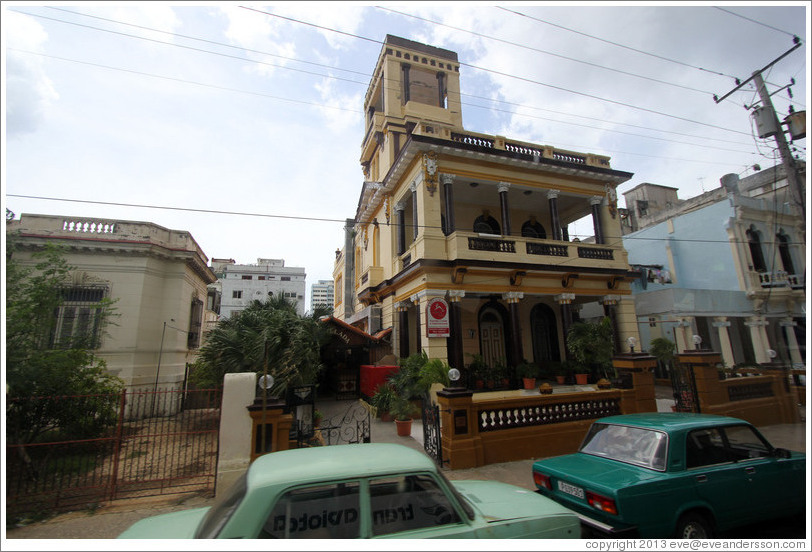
(363,491)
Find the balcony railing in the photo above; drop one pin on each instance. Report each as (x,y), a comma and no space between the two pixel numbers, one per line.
(524,249)
(777,279)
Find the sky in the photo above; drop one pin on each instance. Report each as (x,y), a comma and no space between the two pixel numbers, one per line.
(242,122)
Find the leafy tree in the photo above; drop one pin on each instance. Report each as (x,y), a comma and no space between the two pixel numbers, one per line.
(266,334)
(40,371)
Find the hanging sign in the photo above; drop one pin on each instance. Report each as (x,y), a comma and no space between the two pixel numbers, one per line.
(437,322)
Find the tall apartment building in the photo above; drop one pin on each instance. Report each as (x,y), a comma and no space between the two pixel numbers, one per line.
(240,284)
(322,294)
(460,242)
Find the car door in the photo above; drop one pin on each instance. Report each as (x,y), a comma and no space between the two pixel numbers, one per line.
(763,483)
(321,511)
(413,506)
(714,477)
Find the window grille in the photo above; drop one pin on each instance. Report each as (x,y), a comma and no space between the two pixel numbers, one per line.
(78,320)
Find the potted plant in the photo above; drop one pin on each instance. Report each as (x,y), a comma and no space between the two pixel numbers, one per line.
(664,351)
(478,370)
(317,418)
(382,400)
(501,377)
(402,411)
(528,372)
(592,347)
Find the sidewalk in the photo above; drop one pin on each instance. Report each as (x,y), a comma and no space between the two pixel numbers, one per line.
(110,520)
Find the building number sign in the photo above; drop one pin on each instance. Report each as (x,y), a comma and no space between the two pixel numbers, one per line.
(437,323)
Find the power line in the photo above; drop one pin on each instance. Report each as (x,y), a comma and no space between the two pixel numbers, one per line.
(616,43)
(174,79)
(508,75)
(755,21)
(333,77)
(316,104)
(311,219)
(538,50)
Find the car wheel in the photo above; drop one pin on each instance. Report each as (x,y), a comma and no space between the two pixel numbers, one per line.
(694,526)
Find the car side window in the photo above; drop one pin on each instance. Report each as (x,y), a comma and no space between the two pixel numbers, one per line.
(745,443)
(705,447)
(319,512)
(407,503)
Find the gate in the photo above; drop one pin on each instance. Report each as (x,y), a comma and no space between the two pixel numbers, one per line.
(684,386)
(156,445)
(432,442)
(350,427)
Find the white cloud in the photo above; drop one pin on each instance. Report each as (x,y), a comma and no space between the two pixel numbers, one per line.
(29,91)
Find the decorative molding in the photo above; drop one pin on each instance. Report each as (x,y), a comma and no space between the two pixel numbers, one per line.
(503,187)
(513,296)
(596,200)
(458,274)
(565,298)
(446,178)
(566,281)
(455,295)
(516,277)
(430,171)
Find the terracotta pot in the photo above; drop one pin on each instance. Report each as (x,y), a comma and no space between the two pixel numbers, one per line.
(560,379)
(581,379)
(404,427)
(529,383)
(385,416)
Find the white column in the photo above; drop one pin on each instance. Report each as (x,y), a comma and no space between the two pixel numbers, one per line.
(792,342)
(683,334)
(758,334)
(722,324)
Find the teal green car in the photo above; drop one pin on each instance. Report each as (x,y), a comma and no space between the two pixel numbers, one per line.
(363,491)
(674,475)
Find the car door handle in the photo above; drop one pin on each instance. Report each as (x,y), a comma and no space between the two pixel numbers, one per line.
(750,470)
(701,478)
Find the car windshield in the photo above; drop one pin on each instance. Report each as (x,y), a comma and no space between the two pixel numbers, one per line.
(632,445)
(222,510)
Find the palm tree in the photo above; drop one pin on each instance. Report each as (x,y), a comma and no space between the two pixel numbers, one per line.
(268,336)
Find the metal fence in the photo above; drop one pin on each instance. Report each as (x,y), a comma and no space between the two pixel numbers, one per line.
(160,442)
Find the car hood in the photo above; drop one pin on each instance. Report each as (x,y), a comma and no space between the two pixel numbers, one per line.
(177,525)
(599,472)
(500,501)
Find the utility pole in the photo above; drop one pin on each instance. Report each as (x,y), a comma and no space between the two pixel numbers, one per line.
(794,182)
(795,185)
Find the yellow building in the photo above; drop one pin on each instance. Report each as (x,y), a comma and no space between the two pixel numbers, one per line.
(464,235)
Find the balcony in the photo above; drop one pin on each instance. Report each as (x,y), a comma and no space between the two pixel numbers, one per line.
(778,279)
(516,249)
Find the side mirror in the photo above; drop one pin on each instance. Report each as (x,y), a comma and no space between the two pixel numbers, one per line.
(781,453)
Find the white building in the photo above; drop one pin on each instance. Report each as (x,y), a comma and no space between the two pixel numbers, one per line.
(157,278)
(322,294)
(240,284)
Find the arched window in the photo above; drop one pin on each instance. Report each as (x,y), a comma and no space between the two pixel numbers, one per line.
(533,229)
(754,241)
(783,250)
(486,224)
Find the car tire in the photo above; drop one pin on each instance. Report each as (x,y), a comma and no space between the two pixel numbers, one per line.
(694,526)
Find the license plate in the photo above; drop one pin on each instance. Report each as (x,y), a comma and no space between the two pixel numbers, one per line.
(571,489)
